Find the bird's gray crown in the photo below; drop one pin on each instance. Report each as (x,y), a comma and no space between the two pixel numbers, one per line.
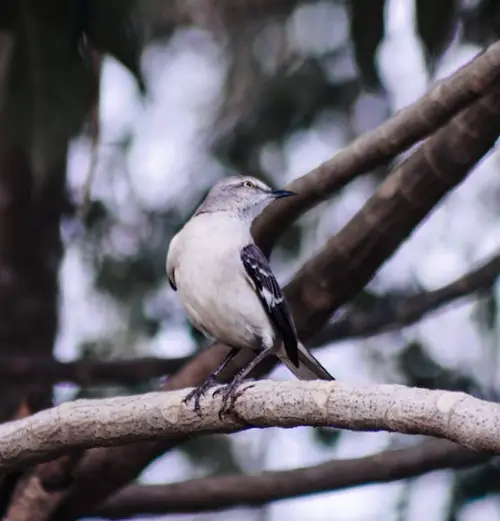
(245,196)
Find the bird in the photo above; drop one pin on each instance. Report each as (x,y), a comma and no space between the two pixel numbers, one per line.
(227,288)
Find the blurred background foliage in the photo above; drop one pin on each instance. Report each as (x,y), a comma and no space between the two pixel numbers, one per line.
(272,88)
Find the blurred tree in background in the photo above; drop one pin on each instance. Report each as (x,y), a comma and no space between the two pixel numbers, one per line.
(116,118)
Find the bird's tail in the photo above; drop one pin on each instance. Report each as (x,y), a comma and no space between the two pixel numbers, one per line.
(309,368)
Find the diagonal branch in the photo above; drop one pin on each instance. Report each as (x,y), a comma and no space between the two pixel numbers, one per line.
(454,416)
(350,259)
(408,311)
(382,144)
(38,494)
(333,276)
(221,492)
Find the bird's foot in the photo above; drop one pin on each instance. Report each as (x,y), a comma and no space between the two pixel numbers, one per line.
(230,394)
(199,392)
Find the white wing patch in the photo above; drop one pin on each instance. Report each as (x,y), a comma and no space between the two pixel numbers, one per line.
(272,298)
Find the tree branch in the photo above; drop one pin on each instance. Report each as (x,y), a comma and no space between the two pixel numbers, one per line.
(87,372)
(375,149)
(335,274)
(382,144)
(38,494)
(221,492)
(408,311)
(454,416)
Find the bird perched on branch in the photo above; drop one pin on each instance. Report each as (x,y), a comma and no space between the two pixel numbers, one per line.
(227,287)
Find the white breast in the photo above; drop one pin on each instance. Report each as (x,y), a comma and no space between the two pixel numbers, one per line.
(211,282)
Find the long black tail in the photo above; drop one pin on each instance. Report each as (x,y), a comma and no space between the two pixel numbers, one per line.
(309,368)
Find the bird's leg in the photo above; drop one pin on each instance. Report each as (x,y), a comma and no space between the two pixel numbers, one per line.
(228,391)
(210,382)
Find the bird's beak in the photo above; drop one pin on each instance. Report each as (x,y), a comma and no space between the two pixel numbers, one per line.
(278,194)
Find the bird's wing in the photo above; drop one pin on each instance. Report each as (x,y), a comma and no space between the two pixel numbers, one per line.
(171,262)
(172,283)
(265,284)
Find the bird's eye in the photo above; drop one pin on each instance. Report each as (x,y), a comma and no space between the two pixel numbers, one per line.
(248,184)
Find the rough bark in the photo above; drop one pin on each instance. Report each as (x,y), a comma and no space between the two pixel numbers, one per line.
(454,416)
(350,259)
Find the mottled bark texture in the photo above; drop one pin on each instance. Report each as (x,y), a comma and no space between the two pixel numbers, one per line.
(454,416)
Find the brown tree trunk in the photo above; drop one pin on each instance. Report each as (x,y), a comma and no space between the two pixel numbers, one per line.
(30,254)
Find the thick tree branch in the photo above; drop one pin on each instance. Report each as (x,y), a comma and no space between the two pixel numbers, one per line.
(221,492)
(408,311)
(382,144)
(39,493)
(454,416)
(333,276)
(391,214)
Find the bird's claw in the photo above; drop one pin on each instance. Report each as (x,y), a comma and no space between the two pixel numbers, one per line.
(199,392)
(229,394)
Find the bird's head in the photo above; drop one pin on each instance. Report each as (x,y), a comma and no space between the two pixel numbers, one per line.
(243,195)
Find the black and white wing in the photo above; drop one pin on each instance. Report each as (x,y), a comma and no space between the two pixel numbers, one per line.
(259,272)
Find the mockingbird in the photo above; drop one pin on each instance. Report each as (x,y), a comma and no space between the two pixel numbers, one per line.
(227,288)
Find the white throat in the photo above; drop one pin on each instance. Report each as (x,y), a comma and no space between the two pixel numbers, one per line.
(250,214)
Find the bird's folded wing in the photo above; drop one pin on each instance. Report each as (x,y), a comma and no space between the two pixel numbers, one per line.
(267,288)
